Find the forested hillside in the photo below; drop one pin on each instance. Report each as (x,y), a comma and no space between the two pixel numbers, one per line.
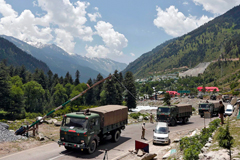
(203,44)
(16,57)
(25,94)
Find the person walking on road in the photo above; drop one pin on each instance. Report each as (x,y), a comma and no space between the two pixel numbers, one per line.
(151,118)
(221,111)
(143,131)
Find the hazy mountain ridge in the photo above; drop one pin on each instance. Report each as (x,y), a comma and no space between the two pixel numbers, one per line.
(18,57)
(61,62)
(203,44)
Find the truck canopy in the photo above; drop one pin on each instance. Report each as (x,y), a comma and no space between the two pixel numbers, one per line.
(111,114)
(183,108)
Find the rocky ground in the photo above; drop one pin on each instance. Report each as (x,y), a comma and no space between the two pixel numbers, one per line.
(8,135)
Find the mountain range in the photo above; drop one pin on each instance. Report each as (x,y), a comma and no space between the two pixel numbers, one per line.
(207,43)
(61,62)
(17,57)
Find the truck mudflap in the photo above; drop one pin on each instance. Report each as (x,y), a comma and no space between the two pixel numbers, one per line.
(72,145)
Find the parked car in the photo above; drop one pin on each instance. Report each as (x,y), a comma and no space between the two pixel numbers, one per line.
(200,96)
(161,134)
(229,110)
(192,96)
(213,97)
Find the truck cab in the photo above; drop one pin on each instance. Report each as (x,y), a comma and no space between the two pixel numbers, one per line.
(205,107)
(79,130)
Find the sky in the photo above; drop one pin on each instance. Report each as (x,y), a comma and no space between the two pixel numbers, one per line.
(121,30)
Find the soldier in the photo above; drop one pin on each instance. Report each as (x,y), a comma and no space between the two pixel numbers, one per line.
(221,111)
(143,131)
(151,118)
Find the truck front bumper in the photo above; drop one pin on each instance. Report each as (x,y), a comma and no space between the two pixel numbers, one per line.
(72,145)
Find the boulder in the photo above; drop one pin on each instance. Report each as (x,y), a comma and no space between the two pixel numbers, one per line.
(5,125)
(140,118)
(149,156)
(207,144)
(58,124)
(40,137)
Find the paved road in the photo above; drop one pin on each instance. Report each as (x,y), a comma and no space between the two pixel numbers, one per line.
(132,132)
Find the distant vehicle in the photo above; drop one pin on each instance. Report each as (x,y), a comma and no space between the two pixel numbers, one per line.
(183,96)
(225,98)
(192,96)
(172,114)
(213,97)
(212,107)
(161,134)
(200,96)
(229,110)
(189,96)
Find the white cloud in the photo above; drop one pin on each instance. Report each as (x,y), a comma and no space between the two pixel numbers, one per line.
(64,40)
(132,54)
(99,51)
(94,16)
(217,6)
(185,3)
(175,23)
(23,26)
(63,18)
(96,8)
(113,40)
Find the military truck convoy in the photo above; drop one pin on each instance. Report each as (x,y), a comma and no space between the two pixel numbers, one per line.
(85,130)
(208,106)
(172,114)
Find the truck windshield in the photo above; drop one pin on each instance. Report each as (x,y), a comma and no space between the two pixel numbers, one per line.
(203,105)
(75,122)
(163,110)
(161,130)
(229,110)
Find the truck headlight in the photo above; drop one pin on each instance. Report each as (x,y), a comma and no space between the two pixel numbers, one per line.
(62,138)
(82,141)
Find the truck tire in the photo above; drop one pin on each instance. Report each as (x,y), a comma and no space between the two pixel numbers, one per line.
(184,121)
(173,122)
(201,116)
(68,148)
(92,147)
(115,135)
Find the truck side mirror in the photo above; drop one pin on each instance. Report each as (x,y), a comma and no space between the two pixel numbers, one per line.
(153,130)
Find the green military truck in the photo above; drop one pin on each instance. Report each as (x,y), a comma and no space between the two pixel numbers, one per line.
(84,130)
(210,106)
(172,114)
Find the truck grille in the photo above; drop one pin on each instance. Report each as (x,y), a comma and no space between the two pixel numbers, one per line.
(72,139)
(162,118)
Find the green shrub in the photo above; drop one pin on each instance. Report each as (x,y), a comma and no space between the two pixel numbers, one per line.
(136,115)
(193,109)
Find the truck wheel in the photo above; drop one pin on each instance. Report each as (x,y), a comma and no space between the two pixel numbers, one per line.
(92,147)
(184,120)
(173,122)
(201,116)
(116,136)
(68,148)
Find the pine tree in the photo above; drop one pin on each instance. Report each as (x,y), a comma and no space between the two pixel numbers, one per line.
(77,81)
(131,93)
(98,89)
(4,87)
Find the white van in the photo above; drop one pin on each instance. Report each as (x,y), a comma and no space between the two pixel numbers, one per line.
(229,110)
(160,134)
